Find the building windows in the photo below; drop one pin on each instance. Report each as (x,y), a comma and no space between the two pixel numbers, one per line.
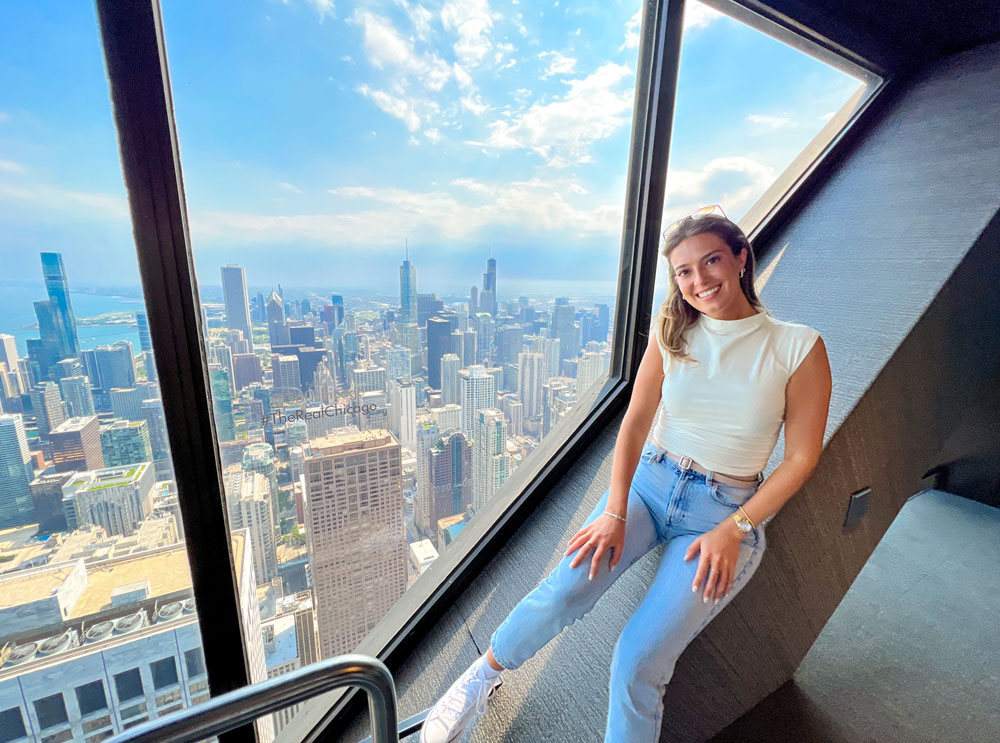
(91,698)
(51,711)
(11,725)
(128,684)
(164,672)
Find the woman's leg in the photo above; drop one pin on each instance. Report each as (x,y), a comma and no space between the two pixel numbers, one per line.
(669,617)
(566,594)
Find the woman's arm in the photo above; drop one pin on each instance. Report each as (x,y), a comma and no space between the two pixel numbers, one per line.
(807,404)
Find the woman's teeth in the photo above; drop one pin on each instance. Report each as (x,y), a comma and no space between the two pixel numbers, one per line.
(709,294)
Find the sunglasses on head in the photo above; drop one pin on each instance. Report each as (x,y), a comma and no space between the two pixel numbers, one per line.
(703,211)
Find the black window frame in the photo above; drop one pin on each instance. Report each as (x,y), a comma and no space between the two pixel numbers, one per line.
(135,55)
(83,690)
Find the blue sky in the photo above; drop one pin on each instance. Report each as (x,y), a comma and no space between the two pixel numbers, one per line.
(316,136)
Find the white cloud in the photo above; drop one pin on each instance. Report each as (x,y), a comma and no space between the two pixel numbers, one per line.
(379,216)
(387,48)
(433,135)
(696,15)
(289,187)
(323,7)
(557,64)
(734,182)
(770,121)
(404,110)
(472,21)
(8,166)
(85,204)
(474,105)
(562,131)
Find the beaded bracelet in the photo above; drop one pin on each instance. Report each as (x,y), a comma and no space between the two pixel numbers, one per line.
(620,518)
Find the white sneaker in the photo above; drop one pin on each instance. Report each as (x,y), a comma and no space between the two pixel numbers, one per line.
(463,703)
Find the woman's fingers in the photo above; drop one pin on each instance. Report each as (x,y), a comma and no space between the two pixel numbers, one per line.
(596,562)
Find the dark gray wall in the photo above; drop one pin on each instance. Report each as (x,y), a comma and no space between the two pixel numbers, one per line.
(894,261)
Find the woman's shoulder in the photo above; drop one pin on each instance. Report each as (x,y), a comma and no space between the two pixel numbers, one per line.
(794,340)
(790,328)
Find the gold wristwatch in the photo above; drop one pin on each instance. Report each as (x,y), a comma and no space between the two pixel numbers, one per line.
(743,523)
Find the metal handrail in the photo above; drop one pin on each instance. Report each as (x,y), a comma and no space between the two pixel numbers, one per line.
(232,709)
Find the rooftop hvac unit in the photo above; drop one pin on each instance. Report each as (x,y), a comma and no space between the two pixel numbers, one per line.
(98,632)
(130,623)
(189,606)
(169,611)
(21,654)
(58,643)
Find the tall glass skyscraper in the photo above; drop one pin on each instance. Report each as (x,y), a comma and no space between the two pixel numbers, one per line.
(16,473)
(63,320)
(234,295)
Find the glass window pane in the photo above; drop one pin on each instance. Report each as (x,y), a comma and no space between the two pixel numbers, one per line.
(94,578)
(51,711)
(11,725)
(408,259)
(164,673)
(90,697)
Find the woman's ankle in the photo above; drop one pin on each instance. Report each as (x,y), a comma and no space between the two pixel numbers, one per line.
(492,661)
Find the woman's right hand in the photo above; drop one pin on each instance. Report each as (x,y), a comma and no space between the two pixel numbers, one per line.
(603,534)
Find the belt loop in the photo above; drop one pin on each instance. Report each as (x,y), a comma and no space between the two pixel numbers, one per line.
(708,477)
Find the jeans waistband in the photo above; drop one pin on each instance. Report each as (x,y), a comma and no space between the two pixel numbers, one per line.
(686,463)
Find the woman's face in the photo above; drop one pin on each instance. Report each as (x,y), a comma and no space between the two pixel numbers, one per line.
(703,263)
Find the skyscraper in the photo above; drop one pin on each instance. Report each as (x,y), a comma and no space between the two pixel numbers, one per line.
(234,295)
(76,392)
(142,325)
(355,532)
(16,473)
(478,390)
(126,442)
(276,329)
(76,445)
(491,464)
(222,403)
(408,321)
(56,322)
(47,406)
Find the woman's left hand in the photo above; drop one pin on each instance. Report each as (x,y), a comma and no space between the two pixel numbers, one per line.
(720,548)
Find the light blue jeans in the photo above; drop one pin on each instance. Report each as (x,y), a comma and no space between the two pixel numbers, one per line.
(667,505)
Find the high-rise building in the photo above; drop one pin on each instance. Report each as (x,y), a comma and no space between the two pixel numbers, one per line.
(114,498)
(478,390)
(438,344)
(488,299)
(338,309)
(285,377)
(248,496)
(127,403)
(529,382)
(76,445)
(110,366)
(277,330)
(403,411)
(152,413)
(234,295)
(142,326)
(491,464)
(126,442)
(47,495)
(563,328)
(16,473)
(56,322)
(77,393)
(47,405)
(8,351)
(449,477)
(247,369)
(124,640)
(450,364)
(355,533)
(222,403)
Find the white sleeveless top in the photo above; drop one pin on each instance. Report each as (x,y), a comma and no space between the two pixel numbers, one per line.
(726,412)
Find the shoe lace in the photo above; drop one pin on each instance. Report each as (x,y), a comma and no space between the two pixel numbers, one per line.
(455,703)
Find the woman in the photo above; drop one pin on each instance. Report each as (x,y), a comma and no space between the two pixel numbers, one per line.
(729,375)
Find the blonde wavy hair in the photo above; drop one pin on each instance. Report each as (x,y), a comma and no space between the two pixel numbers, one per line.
(675,315)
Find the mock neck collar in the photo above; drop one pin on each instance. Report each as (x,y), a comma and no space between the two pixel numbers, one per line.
(728,327)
